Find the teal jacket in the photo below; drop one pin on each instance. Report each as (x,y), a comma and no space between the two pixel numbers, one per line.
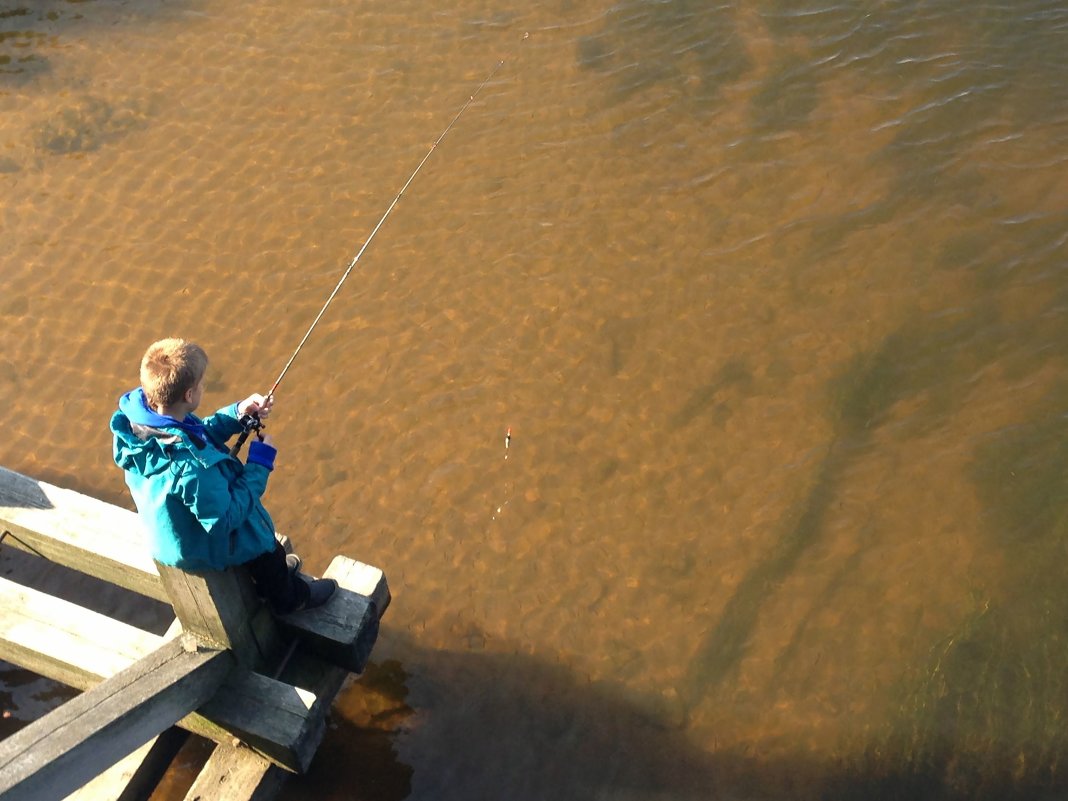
(200,505)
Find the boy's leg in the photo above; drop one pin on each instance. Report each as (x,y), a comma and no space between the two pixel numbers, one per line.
(283,589)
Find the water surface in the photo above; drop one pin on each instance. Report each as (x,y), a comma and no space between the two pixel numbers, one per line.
(771,295)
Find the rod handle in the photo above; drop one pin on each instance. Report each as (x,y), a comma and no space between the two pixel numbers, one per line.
(249,423)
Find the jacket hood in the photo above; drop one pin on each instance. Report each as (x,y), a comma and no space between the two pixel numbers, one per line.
(135,406)
(143,437)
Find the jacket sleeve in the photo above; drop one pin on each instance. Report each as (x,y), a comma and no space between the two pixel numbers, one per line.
(223,424)
(222,506)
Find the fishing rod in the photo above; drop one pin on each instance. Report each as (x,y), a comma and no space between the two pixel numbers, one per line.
(251,422)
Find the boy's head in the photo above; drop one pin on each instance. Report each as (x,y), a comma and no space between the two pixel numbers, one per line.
(170,369)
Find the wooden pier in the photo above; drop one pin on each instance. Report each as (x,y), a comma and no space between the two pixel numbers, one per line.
(257,685)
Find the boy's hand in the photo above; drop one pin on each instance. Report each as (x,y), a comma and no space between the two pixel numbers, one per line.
(261,455)
(256,405)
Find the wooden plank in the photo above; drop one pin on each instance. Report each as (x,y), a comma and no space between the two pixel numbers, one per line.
(239,774)
(279,720)
(361,579)
(56,754)
(236,774)
(78,532)
(66,642)
(307,669)
(81,648)
(345,629)
(134,777)
(108,785)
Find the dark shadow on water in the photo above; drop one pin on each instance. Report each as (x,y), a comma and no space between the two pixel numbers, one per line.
(460,725)
(32,31)
(981,721)
(983,718)
(860,398)
(33,35)
(456,725)
(426,724)
(723,648)
(19,689)
(788,96)
(709,399)
(1022,475)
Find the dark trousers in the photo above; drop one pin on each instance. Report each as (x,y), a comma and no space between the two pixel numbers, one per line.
(284,591)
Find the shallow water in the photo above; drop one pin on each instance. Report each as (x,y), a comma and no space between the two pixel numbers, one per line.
(771,295)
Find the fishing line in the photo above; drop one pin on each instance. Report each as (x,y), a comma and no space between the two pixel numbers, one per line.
(374,231)
(252,423)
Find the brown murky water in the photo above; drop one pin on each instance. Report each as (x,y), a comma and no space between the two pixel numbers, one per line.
(773,297)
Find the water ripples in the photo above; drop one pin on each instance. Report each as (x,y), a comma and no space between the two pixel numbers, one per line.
(753,284)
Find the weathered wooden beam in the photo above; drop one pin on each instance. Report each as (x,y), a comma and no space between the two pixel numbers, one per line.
(135,776)
(56,754)
(236,774)
(81,648)
(344,630)
(78,532)
(279,720)
(64,641)
(361,579)
(220,607)
(306,668)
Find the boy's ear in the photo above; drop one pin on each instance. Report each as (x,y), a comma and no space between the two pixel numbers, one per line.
(188,396)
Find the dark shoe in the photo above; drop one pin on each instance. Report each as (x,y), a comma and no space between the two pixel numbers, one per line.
(294,563)
(319,592)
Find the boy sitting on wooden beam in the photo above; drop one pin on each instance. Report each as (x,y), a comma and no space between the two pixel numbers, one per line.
(200,505)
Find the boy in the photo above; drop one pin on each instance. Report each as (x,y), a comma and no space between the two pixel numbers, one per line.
(200,505)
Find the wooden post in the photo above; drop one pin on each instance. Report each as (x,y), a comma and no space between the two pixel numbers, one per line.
(220,608)
(57,754)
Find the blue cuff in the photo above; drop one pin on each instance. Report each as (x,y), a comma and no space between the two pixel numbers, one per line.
(262,454)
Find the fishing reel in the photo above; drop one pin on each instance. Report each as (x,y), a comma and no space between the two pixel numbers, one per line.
(249,423)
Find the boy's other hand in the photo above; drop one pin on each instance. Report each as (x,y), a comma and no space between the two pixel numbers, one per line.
(256,405)
(267,439)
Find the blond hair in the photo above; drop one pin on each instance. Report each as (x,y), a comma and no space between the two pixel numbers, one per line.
(170,368)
